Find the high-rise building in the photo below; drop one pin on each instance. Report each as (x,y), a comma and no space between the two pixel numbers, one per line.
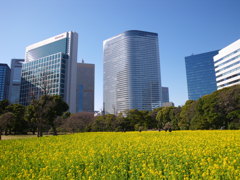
(131,72)
(201,79)
(227,65)
(165,95)
(50,67)
(4,81)
(85,87)
(15,81)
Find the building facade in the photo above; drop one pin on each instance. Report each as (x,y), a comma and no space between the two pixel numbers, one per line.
(201,79)
(227,65)
(4,81)
(165,95)
(131,72)
(85,87)
(15,81)
(50,67)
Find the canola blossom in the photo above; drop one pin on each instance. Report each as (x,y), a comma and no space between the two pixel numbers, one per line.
(130,155)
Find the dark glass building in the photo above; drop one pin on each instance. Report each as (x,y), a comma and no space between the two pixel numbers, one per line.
(165,94)
(4,81)
(201,79)
(15,81)
(85,87)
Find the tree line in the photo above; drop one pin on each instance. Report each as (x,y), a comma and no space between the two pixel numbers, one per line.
(219,110)
(41,115)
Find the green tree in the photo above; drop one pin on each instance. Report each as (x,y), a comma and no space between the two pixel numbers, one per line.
(104,123)
(20,125)
(78,122)
(122,123)
(186,115)
(5,122)
(30,117)
(3,105)
(45,110)
(163,116)
(138,119)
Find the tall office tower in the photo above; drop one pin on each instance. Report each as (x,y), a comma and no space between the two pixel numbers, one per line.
(201,79)
(15,81)
(50,67)
(227,65)
(165,94)
(4,81)
(85,87)
(131,72)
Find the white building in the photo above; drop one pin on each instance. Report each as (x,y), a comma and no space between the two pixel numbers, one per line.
(227,65)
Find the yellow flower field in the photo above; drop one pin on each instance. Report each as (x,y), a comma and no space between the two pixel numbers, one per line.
(130,155)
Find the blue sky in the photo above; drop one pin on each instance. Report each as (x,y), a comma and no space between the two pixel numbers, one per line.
(184,27)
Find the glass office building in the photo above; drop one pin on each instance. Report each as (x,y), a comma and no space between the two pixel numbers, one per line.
(201,79)
(131,72)
(85,87)
(165,95)
(15,81)
(227,65)
(50,67)
(4,81)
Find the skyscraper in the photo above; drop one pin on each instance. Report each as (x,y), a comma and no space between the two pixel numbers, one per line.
(15,81)
(50,67)
(227,65)
(165,94)
(4,81)
(201,79)
(85,87)
(131,72)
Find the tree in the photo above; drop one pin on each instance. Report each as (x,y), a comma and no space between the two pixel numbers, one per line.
(104,123)
(19,125)
(186,114)
(78,122)
(163,116)
(168,117)
(54,108)
(122,123)
(5,122)
(45,110)
(3,105)
(153,115)
(30,117)
(136,119)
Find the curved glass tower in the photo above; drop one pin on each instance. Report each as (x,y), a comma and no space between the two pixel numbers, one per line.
(131,72)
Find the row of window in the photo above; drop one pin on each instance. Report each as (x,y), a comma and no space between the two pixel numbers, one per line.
(230,77)
(226,63)
(228,72)
(238,50)
(232,82)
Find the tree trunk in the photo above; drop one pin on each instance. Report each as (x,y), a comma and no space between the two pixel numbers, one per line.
(0,135)
(54,130)
(39,129)
(39,132)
